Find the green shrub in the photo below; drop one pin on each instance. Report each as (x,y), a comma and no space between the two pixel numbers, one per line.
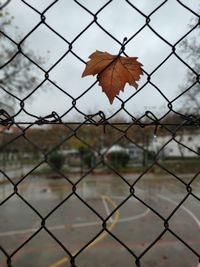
(56,160)
(183,166)
(86,155)
(118,159)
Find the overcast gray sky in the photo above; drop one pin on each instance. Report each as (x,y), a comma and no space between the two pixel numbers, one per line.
(120,19)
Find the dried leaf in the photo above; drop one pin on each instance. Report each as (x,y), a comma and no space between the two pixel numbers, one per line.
(114,72)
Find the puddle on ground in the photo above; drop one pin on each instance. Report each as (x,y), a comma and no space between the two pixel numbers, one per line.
(92,186)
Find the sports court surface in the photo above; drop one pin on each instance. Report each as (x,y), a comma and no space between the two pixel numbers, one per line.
(76,225)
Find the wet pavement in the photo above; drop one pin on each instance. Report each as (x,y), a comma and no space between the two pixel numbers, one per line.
(137,223)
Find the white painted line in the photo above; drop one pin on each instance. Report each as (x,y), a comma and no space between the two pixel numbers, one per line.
(136,217)
(26,231)
(107,208)
(183,208)
(77,225)
(57,227)
(126,219)
(18,232)
(130,199)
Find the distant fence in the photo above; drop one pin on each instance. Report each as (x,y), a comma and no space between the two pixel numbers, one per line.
(148,124)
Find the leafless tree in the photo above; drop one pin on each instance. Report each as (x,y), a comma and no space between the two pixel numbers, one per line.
(191,85)
(17,74)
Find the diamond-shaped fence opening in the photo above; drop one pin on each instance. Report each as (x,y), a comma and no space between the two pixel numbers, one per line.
(84,182)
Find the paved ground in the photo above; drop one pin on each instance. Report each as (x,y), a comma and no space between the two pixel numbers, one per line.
(74,224)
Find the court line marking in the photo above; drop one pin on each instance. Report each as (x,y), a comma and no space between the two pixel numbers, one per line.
(115,220)
(106,208)
(97,223)
(98,239)
(21,232)
(185,209)
(85,224)
(182,207)
(16,256)
(76,225)
(135,217)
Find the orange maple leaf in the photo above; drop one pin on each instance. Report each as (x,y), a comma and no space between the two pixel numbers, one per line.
(114,72)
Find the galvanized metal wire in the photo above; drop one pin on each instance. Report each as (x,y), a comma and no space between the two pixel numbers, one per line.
(99,120)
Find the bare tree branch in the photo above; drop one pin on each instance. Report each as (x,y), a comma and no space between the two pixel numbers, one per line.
(191,49)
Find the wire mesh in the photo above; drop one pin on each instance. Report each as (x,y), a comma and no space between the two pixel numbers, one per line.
(109,131)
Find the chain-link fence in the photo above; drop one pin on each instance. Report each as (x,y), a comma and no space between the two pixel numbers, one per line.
(151,162)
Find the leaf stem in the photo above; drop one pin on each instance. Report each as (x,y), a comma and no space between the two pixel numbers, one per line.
(122,49)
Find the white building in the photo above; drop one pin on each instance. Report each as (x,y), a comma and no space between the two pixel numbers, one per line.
(134,151)
(177,146)
(114,148)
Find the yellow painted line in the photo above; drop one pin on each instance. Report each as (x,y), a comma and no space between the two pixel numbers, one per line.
(99,238)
